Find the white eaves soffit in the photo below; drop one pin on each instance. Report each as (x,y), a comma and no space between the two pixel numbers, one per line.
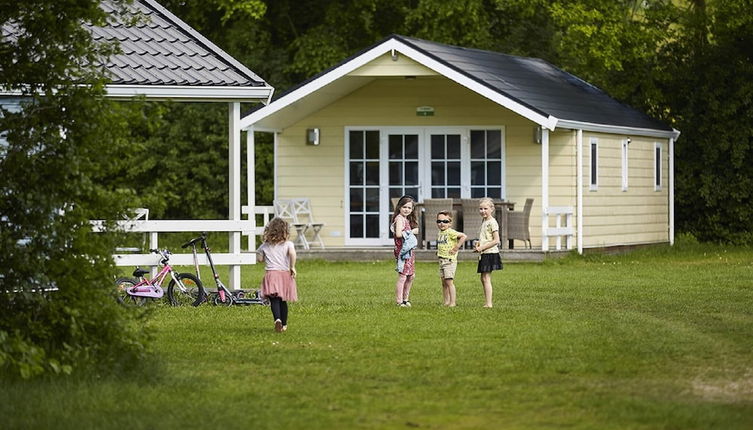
(347,77)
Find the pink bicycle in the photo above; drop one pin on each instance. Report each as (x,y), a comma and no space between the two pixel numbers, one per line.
(184,288)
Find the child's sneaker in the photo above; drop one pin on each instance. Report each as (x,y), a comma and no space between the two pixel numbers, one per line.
(406,303)
(278,326)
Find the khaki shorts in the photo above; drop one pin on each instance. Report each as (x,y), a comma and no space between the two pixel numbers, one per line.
(447,268)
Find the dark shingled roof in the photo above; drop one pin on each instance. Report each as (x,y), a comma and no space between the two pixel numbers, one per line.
(160,49)
(536,84)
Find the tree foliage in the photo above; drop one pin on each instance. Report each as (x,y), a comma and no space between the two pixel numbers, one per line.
(52,166)
(710,98)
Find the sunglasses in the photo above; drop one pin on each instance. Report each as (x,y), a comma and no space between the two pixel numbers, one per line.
(443,221)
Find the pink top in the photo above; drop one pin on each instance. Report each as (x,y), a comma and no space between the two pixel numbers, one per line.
(276,255)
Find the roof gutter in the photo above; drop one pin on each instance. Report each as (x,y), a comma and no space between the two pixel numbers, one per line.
(192,93)
(615,129)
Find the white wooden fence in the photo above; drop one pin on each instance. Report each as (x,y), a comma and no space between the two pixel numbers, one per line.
(153,228)
(559,230)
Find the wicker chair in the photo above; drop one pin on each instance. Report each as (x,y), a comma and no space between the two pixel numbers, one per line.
(471,220)
(431,208)
(517,224)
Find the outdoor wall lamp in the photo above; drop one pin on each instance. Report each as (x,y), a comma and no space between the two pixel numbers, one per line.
(312,136)
(537,134)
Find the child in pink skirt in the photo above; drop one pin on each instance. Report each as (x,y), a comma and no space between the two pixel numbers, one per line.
(278,285)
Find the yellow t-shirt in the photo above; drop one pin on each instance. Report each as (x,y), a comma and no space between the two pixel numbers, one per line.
(486,235)
(445,242)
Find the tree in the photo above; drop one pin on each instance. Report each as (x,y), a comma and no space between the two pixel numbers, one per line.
(56,152)
(710,98)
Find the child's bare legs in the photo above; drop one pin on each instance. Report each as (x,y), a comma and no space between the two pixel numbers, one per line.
(399,288)
(448,289)
(406,289)
(486,282)
(402,288)
(445,292)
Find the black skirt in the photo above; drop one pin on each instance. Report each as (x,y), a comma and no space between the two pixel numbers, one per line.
(489,262)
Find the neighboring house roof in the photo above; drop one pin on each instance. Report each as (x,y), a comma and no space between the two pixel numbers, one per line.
(163,57)
(530,87)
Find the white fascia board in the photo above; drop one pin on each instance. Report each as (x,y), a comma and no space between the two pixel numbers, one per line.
(314,85)
(615,129)
(549,122)
(191,93)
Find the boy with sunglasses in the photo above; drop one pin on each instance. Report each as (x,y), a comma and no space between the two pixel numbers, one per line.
(449,242)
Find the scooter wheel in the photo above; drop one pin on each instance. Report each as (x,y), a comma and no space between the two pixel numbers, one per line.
(219,302)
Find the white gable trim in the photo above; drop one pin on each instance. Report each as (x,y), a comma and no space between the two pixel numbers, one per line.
(549,122)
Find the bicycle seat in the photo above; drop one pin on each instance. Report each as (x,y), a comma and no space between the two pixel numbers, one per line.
(139,272)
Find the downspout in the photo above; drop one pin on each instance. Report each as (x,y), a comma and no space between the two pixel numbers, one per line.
(671,191)
(579,185)
(544,188)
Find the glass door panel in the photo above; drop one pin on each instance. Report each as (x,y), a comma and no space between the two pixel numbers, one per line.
(487,175)
(403,165)
(445,161)
(363,163)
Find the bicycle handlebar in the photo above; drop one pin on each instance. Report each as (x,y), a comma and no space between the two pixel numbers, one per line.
(194,240)
(162,252)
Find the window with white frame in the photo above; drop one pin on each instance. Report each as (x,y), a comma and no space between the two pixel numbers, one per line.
(625,145)
(594,164)
(657,166)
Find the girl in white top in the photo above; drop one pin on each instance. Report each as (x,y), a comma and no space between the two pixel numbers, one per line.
(278,285)
(487,247)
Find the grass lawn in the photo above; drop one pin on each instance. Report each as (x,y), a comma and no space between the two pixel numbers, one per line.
(656,339)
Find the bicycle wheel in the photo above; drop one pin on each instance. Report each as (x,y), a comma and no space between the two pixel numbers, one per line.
(187,291)
(123,297)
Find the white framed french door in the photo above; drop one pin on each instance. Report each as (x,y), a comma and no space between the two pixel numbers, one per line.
(383,163)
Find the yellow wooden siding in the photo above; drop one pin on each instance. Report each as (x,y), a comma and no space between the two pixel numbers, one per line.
(386,66)
(318,172)
(639,214)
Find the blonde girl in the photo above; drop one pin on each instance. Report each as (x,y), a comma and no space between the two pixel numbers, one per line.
(488,248)
(404,222)
(278,285)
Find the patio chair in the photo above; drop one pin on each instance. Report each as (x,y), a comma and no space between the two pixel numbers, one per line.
(431,208)
(135,215)
(471,220)
(284,210)
(304,215)
(517,224)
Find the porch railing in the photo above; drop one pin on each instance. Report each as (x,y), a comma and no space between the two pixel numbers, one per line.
(559,230)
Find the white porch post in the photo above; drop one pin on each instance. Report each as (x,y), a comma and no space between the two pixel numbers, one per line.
(275,138)
(671,191)
(251,183)
(544,188)
(234,180)
(579,184)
